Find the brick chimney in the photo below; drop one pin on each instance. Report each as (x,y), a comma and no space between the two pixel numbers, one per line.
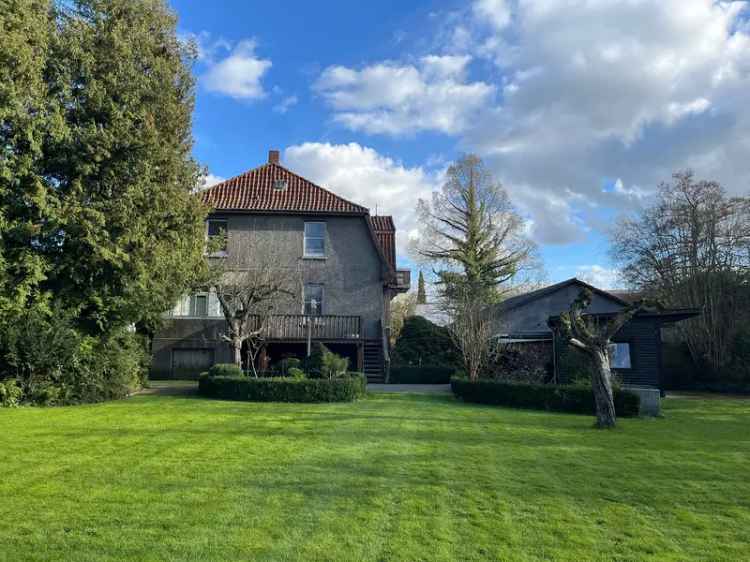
(273,156)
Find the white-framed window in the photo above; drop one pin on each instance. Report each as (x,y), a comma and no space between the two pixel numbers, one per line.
(313,299)
(217,228)
(619,355)
(199,305)
(315,240)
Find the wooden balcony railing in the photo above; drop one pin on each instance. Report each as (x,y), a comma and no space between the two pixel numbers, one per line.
(328,327)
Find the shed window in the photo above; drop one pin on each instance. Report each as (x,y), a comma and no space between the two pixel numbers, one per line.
(313,299)
(619,355)
(315,240)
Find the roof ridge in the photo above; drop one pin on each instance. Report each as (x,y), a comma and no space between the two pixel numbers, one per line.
(296,175)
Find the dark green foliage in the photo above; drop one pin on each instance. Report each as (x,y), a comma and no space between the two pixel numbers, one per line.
(284,389)
(99,228)
(225,370)
(314,363)
(284,366)
(557,398)
(421,292)
(423,343)
(54,363)
(421,375)
(10,393)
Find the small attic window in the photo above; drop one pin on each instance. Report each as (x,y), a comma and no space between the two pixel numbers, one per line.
(279,185)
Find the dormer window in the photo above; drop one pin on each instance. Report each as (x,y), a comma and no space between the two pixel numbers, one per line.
(279,185)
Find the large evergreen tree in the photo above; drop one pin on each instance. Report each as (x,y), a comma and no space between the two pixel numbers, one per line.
(472,233)
(97,216)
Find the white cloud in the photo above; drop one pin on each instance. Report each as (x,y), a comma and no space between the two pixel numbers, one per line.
(284,105)
(211,179)
(600,277)
(497,12)
(239,74)
(361,174)
(402,99)
(628,90)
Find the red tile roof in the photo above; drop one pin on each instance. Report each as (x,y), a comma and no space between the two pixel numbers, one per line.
(385,231)
(254,191)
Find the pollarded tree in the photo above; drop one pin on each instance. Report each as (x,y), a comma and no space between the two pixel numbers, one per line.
(592,335)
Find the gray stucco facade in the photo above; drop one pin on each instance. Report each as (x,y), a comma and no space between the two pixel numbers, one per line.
(351,273)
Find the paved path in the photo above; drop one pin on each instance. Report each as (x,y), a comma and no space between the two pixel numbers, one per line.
(420,388)
(170,388)
(183,388)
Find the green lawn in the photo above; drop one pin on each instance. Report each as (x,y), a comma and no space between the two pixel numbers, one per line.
(393,477)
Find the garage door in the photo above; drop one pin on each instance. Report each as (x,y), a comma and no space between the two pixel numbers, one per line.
(189,363)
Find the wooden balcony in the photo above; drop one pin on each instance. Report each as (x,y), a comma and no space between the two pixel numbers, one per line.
(291,327)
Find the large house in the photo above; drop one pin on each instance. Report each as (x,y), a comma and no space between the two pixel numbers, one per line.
(345,256)
(636,351)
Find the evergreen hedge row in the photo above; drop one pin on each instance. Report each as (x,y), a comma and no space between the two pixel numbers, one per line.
(556,398)
(283,389)
(421,375)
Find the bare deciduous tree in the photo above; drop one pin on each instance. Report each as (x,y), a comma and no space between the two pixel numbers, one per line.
(692,249)
(592,335)
(251,283)
(470,329)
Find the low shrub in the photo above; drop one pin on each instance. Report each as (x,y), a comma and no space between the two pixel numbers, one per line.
(225,370)
(284,389)
(421,375)
(556,398)
(296,373)
(10,394)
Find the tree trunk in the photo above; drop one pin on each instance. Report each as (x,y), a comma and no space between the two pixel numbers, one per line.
(237,349)
(601,384)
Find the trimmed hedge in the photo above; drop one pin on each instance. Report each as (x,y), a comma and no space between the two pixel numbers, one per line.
(225,370)
(556,398)
(421,375)
(284,389)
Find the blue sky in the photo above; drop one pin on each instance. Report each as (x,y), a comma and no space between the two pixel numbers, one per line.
(580,111)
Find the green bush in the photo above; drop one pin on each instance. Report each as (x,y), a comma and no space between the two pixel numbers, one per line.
(284,389)
(421,375)
(296,373)
(226,370)
(54,363)
(285,365)
(314,363)
(422,342)
(556,398)
(333,365)
(10,393)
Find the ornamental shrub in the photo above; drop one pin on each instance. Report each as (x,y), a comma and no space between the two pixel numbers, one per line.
(333,365)
(284,389)
(422,342)
(10,393)
(557,398)
(225,370)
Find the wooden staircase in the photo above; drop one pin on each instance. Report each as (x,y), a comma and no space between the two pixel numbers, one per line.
(373,361)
